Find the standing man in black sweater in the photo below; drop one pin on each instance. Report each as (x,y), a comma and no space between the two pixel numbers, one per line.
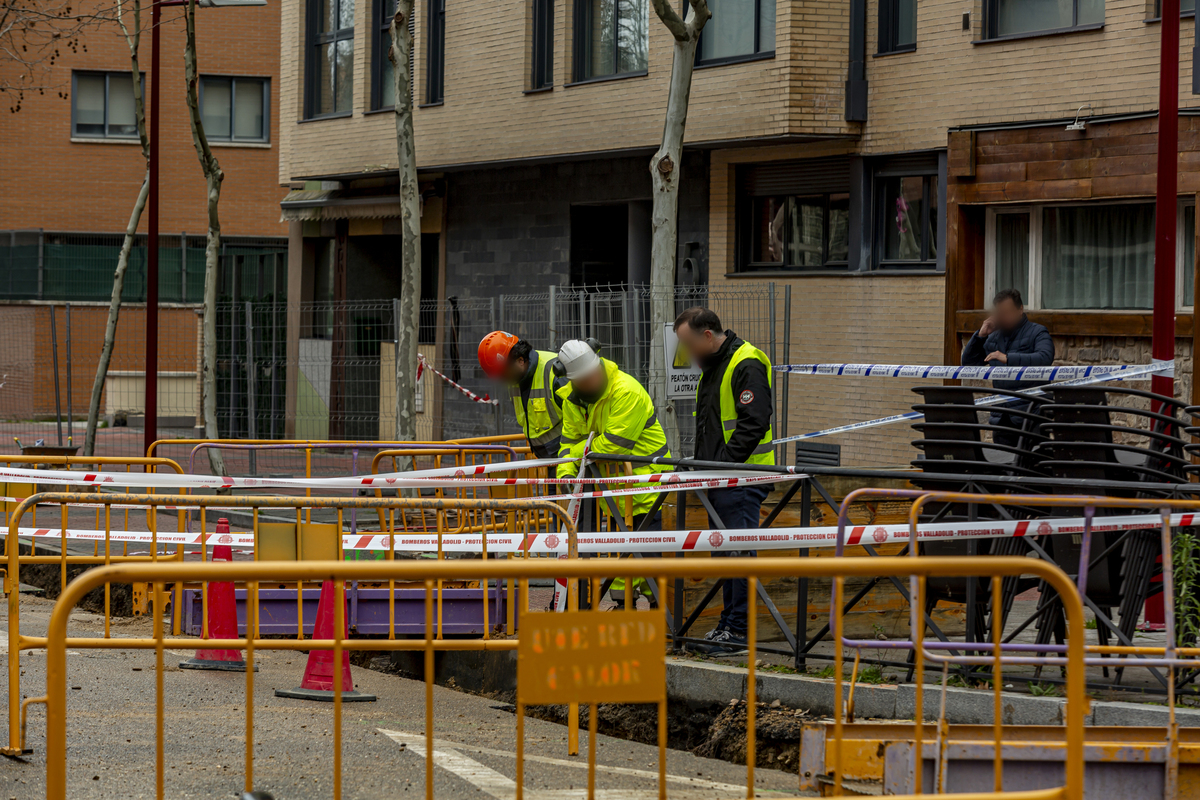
(734,404)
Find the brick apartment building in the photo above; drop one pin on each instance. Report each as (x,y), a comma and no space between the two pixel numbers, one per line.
(890,161)
(73,167)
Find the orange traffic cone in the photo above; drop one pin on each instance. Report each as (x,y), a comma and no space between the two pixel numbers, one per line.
(320,671)
(222,615)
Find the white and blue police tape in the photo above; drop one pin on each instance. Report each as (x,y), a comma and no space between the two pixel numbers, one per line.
(1129,373)
(1060,373)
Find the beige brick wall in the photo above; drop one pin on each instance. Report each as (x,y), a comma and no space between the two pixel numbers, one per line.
(874,317)
(487,117)
(948,81)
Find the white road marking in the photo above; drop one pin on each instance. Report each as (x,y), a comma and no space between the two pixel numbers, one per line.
(4,648)
(449,756)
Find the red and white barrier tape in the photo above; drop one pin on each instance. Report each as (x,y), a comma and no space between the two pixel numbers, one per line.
(447,478)
(714,541)
(422,364)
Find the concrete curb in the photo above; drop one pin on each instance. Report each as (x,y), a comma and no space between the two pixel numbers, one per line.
(703,683)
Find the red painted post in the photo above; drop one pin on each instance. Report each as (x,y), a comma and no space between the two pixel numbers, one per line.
(1162,347)
(1163,343)
(150,402)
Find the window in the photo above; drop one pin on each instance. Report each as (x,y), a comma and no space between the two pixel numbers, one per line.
(611,38)
(330,84)
(1016,17)
(798,232)
(739,29)
(897,26)
(907,221)
(435,66)
(1185,7)
(1094,256)
(235,109)
(542,51)
(102,106)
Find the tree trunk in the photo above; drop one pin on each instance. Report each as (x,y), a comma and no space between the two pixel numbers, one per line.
(114,313)
(665,169)
(410,221)
(133,39)
(213,176)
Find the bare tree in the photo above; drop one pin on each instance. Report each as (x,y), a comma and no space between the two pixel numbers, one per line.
(132,31)
(400,54)
(33,35)
(664,176)
(213,176)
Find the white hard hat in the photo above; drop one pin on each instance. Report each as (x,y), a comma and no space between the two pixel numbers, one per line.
(578,358)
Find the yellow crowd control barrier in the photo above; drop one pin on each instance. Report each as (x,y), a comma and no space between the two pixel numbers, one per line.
(17,492)
(17,642)
(545,646)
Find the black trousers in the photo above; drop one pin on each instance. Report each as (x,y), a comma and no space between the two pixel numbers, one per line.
(738,508)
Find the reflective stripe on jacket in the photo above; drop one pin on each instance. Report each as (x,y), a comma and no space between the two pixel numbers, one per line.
(624,422)
(540,417)
(764,453)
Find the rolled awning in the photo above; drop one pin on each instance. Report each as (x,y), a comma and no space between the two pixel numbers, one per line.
(315,205)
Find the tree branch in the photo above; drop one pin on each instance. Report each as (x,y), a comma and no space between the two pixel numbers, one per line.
(666,12)
(700,16)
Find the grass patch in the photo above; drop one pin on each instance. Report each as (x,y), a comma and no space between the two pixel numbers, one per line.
(1043,689)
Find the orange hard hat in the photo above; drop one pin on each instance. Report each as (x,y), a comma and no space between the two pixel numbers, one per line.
(493,352)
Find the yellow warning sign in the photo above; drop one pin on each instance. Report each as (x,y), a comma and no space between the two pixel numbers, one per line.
(682,359)
(592,657)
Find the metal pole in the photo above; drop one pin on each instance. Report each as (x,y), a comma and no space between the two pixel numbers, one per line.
(1166,201)
(57,398)
(150,404)
(251,387)
(41,265)
(582,314)
(183,267)
(787,359)
(70,405)
(493,318)
(553,317)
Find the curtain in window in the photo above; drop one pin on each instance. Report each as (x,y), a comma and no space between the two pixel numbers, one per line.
(217,101)
(1022,16)
(248,110)
(1012,253)
(89,105)
(730,32)
(1098,256)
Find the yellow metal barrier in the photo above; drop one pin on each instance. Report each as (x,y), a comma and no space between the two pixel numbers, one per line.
(17,642)
(554,647)
(97,557)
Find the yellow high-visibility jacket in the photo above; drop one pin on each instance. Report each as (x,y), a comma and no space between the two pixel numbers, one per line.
(624,422)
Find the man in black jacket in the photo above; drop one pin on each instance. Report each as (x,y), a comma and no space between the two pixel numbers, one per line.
(1009,338)
(734,404)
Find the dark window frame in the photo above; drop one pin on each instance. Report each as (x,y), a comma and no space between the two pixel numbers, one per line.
(889,14)
(1183,12)
(991,23)
(582,44)
(541,49)
(930,196)
(317,39)
(755,55)
(435,52)
(74,94)
(266,100)
(745,237)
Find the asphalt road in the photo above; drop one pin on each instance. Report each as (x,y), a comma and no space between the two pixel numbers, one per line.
(111,737)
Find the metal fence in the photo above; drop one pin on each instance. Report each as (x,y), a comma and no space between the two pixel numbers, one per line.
(319,370)
(78,267)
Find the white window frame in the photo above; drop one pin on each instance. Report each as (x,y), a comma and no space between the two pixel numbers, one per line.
(1033,300)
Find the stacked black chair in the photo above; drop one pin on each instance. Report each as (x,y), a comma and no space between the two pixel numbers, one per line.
(1111,434)
(958,447)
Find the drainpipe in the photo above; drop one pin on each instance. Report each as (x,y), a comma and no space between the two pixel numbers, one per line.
(856,80)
